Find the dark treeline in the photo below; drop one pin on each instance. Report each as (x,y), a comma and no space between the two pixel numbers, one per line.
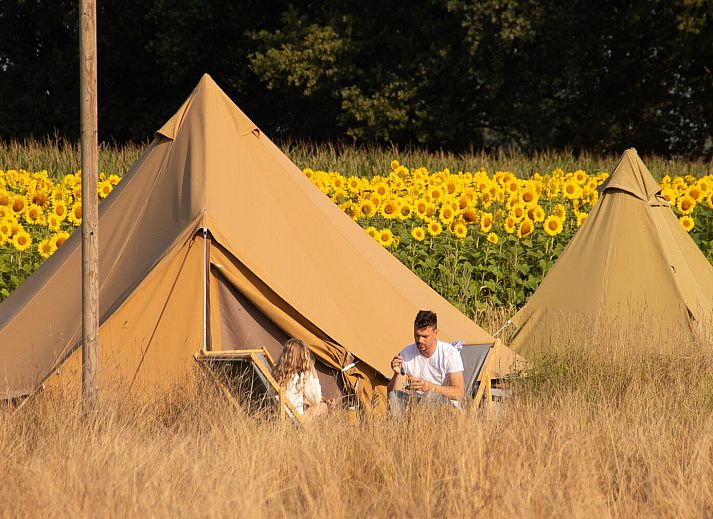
(454,74)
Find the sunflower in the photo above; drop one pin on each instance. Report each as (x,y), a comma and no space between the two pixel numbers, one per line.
(434,228)
(581,217)
(470,215)
(395,164)
(19,203)
(405,211)
(113,179)
(22,240)
(367,209)
(5,198)
(46,248)
(460,230)
(528,197)
(538,214)
(518,212)
(695,192)
(580,176)
(53,222)
(447,214)
(34,215)
(686,204)
(59,238)
(571,189)
(75,215)
(385,237)
(486,222)
(371,231)
(493,238)
(418,233)
(354,184)
(40,199)
(6,227)
(526,228)
(421,208)
(687,223)
(552,225)
(390,210)
(381,189)
(669,194)
(559,211)
(710,201)
(104,187)
(435,194)
(509,225)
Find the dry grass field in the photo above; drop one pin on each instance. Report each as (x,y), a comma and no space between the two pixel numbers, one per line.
(611,430)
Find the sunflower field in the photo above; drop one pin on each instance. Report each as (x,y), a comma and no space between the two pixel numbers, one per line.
(479,239)
(488,239)
(37,215)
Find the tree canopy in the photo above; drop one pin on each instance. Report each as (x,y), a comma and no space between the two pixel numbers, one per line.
(528,74)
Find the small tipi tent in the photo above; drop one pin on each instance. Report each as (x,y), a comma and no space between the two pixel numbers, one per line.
(631,263)
(214,240)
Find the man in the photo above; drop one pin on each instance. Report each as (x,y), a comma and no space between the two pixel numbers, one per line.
(433,369)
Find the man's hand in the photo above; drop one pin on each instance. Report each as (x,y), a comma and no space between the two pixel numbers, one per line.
(419,384)
(396,364)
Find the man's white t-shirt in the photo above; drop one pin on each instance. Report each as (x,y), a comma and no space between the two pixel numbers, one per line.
(446,359)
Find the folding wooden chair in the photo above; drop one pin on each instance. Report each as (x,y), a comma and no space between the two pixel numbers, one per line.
(246,378)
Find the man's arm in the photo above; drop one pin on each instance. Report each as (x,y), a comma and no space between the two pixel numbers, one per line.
(453,387)
(396,381)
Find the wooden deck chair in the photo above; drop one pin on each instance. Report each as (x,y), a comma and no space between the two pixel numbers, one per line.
(246,378)
(477,373)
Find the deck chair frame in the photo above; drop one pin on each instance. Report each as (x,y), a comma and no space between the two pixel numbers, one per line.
(286,409)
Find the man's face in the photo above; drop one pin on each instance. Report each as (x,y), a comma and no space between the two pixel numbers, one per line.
(425,339)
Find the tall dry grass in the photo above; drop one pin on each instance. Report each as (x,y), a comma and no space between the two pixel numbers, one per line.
(613,429)
(60,156)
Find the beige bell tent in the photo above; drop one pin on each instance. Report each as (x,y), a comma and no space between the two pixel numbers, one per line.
(214,240)
(630,265)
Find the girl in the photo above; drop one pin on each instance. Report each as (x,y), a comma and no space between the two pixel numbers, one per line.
(296,373)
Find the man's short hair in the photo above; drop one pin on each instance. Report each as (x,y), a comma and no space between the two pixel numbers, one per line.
(425,319)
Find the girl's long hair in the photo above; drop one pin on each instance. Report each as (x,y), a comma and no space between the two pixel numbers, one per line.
(295,359)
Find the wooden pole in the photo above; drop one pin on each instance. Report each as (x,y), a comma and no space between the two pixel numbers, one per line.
(90,202)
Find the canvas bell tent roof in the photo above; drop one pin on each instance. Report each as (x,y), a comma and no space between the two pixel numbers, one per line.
(630,265)
(215,240)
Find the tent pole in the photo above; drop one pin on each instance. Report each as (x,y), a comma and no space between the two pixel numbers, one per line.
(90,202)
(205,289)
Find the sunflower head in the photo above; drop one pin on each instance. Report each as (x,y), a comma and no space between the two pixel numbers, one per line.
(385,237)
(418,233)
(405,211)
(486,222)
(46,248)
(509,225)
(19,203)
(22,240)
(434,228)
(460,230)
(493,238)
(686,204)
(525,229)
(552,225)
(580,218)
(59,238)
(687,223)
(390,209)
(470,215)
